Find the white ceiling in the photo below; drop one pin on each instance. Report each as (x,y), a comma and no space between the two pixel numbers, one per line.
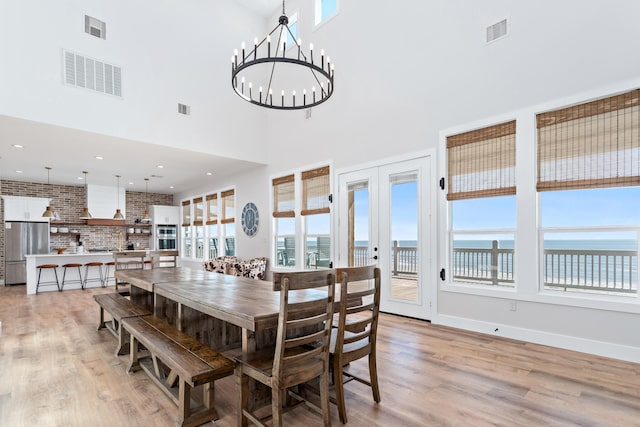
(69,152)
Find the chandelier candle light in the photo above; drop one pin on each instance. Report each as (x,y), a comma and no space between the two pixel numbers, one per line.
(319,79)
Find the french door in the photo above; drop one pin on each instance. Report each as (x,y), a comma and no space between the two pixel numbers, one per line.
(385,219)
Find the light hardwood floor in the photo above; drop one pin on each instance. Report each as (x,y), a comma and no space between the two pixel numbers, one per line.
(57,370)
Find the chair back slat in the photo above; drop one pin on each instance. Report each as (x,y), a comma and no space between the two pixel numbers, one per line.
(304,324)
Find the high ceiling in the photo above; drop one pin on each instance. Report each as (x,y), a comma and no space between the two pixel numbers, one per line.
(70,151)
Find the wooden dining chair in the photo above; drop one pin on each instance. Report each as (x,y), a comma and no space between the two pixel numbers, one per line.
(301,351)
(127,260)
(164,258)
(355,336)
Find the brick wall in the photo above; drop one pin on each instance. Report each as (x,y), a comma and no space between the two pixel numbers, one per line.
(68,201)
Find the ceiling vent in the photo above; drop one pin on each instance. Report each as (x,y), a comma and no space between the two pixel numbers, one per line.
(95,27)
(497,31)
(89,73)
(184,109)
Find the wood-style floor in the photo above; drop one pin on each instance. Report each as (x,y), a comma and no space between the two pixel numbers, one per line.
(57,370)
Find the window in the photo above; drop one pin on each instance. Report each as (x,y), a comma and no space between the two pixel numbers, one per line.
(293,27)
(228,221)
(315,211)
(186,229)
(481,169)
(588,178)
(325,9)
(212,225)
(285,223)
(304,207)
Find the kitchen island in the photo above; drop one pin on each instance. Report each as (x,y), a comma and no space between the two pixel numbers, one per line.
(65,258)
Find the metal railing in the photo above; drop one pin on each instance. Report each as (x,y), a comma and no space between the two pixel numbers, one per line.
(493,266)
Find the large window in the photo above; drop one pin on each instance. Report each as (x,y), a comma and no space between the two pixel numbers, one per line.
(186,229)
(228,221)
(302,222)
(212,225)
(588,178)
(325,9)
(481,191)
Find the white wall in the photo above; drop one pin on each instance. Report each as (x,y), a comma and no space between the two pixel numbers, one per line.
(169,52)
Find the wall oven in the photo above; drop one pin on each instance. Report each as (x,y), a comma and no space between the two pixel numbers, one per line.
(166,237)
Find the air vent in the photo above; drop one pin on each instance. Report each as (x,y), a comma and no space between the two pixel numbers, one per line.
(184,109)
(95,27)
(89,73)
(497,31)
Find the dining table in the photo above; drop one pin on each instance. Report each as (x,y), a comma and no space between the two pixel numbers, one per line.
(220,310)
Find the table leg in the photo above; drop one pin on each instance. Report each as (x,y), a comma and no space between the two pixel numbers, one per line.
(248,341)
(179,319)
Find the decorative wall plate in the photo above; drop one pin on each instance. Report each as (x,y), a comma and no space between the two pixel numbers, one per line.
(250,219)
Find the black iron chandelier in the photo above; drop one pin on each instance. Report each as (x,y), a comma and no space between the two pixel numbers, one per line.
(254,77)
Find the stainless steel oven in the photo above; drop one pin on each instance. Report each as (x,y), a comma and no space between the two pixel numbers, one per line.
(166,237)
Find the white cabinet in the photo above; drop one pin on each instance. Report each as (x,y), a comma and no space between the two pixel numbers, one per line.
(18,208)
(165,215)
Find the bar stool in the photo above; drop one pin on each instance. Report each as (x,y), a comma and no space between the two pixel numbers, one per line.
(94,279)
(108,266)
(51,282)
(64,275)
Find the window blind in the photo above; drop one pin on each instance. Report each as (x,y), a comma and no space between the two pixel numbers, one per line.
(591,145)
(481,163)
(186,213)
(284,196)
(228,206)
(212,208)
(315,191)
(198,215)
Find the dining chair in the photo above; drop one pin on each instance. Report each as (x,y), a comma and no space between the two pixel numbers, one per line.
(164,258)
(355,336)
(301,351)
(127,260)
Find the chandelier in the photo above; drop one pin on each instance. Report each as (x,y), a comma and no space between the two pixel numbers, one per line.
(254,77)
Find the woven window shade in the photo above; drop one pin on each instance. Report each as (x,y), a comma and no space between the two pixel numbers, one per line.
(284,197)
(198,211)
(186,213)
(315,191)
(591,145)
(482,162)
(228,206)
(212,209)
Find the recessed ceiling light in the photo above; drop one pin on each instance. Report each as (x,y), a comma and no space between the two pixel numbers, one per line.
(130,182)
(79,178)
(18,171)
(160,166)
(171,186)
(99,157)
(17,146)
(209,173)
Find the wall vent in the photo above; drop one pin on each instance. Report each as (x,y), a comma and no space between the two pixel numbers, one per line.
(497,31)
(93,74)
(184,109)
(95,27)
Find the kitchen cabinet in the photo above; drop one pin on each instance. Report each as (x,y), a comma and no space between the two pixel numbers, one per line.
(165,215)
(18,208)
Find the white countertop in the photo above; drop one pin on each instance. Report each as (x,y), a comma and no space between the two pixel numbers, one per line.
(69,254)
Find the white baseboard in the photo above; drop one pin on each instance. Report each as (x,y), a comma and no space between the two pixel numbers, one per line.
(599,348)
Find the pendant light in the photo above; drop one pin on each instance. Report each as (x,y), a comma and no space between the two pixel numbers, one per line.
(85,212)
(118,214)
(146,217)
(48,213)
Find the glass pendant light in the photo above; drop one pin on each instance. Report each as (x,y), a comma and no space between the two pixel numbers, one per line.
(85,212)
(146,217)
(118,214)
(48,213)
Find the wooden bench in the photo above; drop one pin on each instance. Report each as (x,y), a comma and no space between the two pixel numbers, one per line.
(119,308)
(188,361)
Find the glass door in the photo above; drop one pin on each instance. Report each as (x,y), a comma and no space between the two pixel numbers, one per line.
(385,220)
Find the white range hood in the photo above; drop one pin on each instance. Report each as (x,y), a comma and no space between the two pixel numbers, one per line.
(103,201)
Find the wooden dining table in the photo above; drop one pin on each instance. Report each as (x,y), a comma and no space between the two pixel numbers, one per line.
(220,310)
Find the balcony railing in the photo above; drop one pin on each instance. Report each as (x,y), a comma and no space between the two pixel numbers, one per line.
(588,270)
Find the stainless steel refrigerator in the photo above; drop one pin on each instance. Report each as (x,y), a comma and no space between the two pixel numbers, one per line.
(22,239)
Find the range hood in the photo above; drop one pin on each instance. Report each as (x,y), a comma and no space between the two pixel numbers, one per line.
(103,201)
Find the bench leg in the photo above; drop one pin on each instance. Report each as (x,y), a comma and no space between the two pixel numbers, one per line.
(122,345)
(134,365)
(184,403)
(101,325)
